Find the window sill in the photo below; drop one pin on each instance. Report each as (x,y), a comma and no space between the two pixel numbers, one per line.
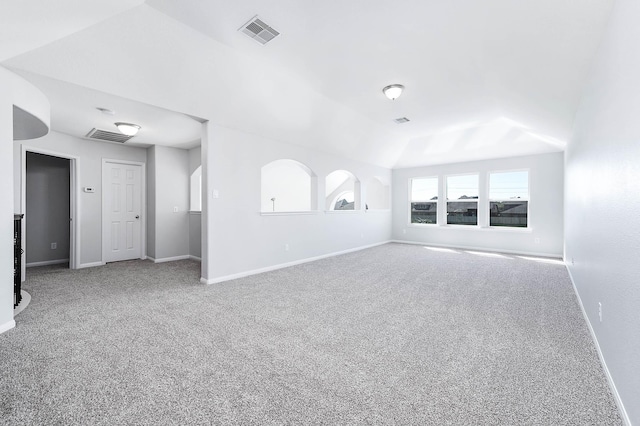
(195,212)
(489,228)
(300,213)
(342,211)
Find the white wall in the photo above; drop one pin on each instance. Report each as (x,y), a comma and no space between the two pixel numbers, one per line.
(15,91)
(244,240)
(195,234)
(195,189)
(170,183)
(602,238)
(89,163)
(47,214)
(195,218)
(6,211)
(151,202)
(545,208)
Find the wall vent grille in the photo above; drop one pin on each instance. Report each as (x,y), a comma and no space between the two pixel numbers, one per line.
(401,120)
(104,135)
(259,31)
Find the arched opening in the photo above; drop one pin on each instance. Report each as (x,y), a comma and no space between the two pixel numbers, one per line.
(286,186)
(342,191)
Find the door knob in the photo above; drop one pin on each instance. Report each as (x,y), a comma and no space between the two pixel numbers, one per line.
(137,216)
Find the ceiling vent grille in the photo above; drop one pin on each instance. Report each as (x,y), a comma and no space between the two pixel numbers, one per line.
(401,120)
(104,135)
(259,31)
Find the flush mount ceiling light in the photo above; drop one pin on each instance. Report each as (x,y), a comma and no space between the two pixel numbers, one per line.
(392,91)
(127,128)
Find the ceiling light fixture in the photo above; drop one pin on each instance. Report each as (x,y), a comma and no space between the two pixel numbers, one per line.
(393,91)
(127,128)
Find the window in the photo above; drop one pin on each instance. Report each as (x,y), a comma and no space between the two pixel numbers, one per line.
(424,200)
(341,186)
(509,199)
(286,187)
(462,200)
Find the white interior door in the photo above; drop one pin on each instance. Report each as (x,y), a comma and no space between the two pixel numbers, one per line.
(122,211)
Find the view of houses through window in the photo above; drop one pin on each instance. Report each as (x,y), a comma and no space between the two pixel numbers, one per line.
(424,200)
(508,201)
(462,200)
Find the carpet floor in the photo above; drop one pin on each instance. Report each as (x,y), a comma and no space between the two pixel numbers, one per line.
(396,334)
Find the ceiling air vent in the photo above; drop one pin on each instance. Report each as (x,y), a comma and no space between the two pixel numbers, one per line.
(104,135)
(401,120)
(259,31)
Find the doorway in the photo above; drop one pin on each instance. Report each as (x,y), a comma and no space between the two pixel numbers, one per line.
(47,202)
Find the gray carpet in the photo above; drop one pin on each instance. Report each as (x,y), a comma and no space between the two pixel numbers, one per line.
(397,334)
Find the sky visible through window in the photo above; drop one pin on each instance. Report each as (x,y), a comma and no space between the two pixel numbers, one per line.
(424,189)
(462,186)
(509,185)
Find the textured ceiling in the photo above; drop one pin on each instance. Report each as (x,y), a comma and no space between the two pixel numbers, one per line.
(483,79)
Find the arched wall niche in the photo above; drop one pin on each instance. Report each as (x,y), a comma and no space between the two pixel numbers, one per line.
(287,186)
(342,191)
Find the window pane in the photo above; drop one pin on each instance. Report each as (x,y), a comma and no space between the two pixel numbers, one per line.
(424,212)
(424,189)
(509,213)
(462,213)
(509,186)
(462,187)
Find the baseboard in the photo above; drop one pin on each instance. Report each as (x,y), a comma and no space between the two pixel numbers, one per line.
(169,259)
(46,262)
(612,385)
(285,265)
(454,247)
(7,326)
(90,265)
(199,259)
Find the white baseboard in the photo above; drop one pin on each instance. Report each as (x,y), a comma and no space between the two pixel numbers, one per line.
(90,265)
(489,250)
(47,262)
(7,326)
(612,385)
(169,259)
(285,265)
(199,259)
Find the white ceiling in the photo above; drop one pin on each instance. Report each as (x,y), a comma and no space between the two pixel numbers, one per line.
(483,79)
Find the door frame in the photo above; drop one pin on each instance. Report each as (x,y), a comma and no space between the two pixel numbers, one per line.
(143,206)
(74,210)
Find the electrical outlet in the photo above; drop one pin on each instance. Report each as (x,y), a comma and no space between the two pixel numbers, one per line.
(404,231)
(572,262)
(537,240)
(175,209)
(600,311)
(286,247)
(54,246)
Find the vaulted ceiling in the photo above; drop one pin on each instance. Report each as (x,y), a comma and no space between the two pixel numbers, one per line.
(484,79)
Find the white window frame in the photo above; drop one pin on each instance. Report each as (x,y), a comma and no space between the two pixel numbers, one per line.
(437,201)
(490,200)
(470,200)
